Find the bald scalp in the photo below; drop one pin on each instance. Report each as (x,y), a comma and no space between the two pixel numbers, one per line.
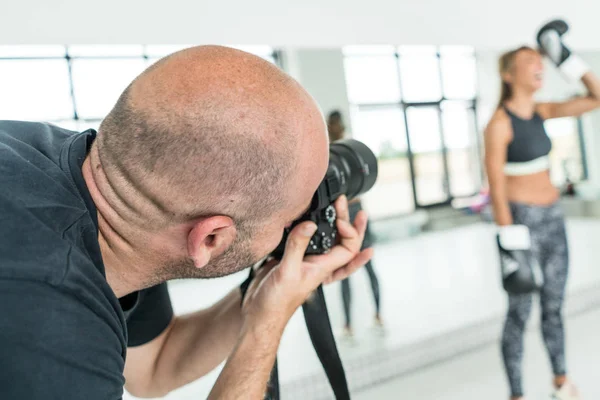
(206,131)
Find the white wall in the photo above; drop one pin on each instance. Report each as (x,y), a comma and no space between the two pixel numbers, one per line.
(316,23)
(592,128)
(321,72)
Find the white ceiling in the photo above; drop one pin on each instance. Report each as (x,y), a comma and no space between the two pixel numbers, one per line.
(315,23)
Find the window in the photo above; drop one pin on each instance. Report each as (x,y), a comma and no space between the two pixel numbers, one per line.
(382,86)
(462,148)
(414,106)
(420,74)
(35,89)
(458,72)
(97,83)
(566,160)
(382,129)
(76,86)
(426,146)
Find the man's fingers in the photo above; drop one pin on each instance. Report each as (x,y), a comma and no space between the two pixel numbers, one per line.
(338,257)
(351,237)
(348,231)
(342,273)
(343,254)
(360,222)
(341,208)
(297,242)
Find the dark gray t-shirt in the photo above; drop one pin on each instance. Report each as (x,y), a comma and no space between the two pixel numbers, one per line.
(63,333)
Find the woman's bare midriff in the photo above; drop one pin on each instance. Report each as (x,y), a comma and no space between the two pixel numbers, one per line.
(536,189)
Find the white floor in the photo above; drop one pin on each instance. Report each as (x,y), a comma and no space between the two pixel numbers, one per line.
(479,375)
(431,284)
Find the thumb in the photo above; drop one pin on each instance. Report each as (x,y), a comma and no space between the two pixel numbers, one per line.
(297,241)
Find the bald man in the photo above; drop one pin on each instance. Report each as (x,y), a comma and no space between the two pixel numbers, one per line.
(203,161)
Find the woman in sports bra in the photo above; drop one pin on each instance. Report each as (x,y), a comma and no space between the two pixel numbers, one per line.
(517,163)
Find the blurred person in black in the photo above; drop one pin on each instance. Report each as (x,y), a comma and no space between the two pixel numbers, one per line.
(337,130)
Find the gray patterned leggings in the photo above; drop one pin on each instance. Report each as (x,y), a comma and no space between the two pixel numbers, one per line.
(347,293)
(353,209)
(549,244)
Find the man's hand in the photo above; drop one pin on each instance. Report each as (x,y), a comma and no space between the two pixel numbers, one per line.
(280,287)
(275,293)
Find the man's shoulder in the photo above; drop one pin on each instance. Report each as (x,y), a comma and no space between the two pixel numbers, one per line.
(41,212)
(31,175)
(31,247)
(32,252)
(33,158)
(27,138)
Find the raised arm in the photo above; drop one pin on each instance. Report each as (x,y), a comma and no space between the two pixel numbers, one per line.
(572,67)
(577,106)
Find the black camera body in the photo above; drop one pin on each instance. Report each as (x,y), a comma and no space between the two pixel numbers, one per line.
(352,171)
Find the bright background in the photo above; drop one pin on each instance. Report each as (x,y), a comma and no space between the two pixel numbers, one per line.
(416,81)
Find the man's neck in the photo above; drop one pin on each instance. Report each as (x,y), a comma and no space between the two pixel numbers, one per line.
(120,275)
(121,260)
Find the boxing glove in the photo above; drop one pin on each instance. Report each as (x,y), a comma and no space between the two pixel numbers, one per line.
(521,272)
(550,41)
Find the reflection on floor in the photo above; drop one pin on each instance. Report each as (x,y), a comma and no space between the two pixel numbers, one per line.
(479,375)
(440,296)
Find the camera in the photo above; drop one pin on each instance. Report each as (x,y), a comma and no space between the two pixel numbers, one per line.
(352,171)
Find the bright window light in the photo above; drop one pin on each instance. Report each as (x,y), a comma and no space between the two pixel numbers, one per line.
(98,83)
(24,51)
(106,50)
(35,90)
(372,80)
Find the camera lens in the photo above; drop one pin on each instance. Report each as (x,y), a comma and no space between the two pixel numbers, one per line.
(352,171)
(354,166)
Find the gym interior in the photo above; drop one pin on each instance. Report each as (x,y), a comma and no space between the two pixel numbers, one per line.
(418,83)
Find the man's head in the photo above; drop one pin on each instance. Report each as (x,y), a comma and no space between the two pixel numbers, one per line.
(335,126)
(209,154)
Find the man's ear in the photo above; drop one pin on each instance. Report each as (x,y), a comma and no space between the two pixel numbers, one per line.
(209,238)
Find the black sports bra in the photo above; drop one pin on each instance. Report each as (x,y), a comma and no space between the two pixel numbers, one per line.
(530,140)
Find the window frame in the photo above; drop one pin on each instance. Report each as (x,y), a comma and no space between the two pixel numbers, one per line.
(471,105)
(275,55)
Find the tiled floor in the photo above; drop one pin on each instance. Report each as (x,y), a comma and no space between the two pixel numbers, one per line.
(431,285)
(479,375)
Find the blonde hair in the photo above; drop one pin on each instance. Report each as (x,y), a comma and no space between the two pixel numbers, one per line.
(505,64)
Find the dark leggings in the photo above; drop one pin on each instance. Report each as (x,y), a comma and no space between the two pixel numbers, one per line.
(353,209)
(347,293)
(549,244)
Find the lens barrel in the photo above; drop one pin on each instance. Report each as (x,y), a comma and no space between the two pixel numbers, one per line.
(352,169)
